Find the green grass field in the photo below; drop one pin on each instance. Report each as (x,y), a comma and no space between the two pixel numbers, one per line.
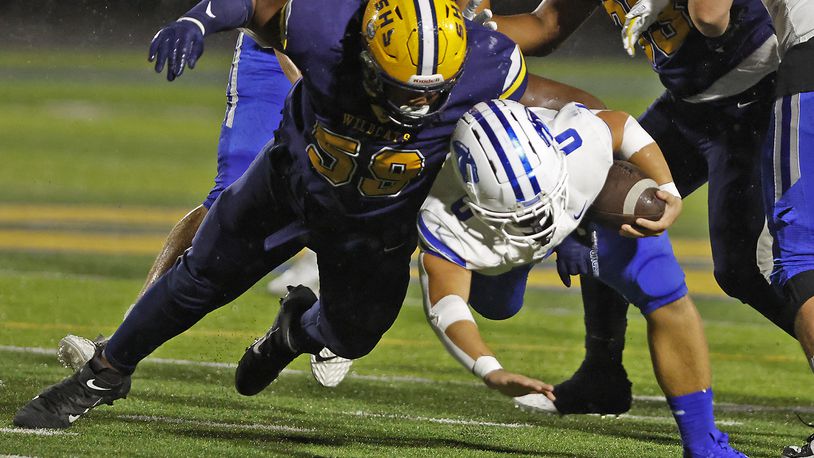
(100,157)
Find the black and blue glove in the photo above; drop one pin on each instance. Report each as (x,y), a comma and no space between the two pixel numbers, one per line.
(578,254)
(177,45)
(181,43)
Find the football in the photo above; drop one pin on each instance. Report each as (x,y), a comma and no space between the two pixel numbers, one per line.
(628,194)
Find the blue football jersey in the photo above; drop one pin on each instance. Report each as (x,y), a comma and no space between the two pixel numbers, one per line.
(346,164)
(688,62)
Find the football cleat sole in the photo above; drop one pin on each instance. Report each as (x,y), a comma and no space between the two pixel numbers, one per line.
(329,369)
(74,351)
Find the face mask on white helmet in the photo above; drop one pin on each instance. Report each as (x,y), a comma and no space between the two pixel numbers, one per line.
(514,175)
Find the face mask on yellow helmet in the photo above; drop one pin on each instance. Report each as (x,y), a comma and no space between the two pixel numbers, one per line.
(414,52)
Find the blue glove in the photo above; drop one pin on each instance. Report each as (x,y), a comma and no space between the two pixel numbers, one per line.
(577,255)
(178,44)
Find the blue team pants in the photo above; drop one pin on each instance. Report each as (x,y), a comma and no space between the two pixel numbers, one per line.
(254,102)
(788,184)
(643,270)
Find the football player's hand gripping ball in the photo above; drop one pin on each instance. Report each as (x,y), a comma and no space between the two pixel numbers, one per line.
(640,17)
(177,45)
(647,228)
(483,18)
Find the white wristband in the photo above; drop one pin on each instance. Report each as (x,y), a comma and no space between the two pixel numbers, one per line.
(634,138)
(484,365)
(194,21)
(671,188)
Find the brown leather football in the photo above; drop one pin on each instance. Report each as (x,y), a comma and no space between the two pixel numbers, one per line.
(628,194)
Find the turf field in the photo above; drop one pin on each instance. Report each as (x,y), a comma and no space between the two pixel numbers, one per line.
(100,157)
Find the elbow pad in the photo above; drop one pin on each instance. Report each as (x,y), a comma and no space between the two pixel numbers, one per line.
(634,138)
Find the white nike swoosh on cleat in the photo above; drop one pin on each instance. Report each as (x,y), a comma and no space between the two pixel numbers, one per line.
(90,383)
(209,10)
(321,359)
(73,418)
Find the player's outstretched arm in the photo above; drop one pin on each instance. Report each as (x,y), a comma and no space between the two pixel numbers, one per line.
(446,290)
(540,32)
(546,93)
(181,43)
(632,143)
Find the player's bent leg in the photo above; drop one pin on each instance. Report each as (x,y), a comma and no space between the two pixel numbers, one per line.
(680,357)
(678,348)
(74,351)
(736,211)
(804,329)
(364,281)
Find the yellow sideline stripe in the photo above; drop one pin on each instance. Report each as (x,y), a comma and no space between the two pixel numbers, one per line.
(27,213)
(698,281)
(65,240)
(81,242)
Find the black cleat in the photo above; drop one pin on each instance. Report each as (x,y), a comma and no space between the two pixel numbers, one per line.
(270,354)
(62,404)
(604,391)
(797,451)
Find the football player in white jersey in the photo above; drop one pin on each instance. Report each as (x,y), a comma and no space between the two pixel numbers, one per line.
(516,184)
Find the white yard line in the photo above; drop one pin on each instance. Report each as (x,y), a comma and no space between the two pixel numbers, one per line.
(38,432)
(720,406)
(216,424)
(445,421)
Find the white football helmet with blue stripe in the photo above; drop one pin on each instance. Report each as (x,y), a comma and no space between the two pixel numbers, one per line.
(514,174)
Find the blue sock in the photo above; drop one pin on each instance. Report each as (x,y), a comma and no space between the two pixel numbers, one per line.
(696,422)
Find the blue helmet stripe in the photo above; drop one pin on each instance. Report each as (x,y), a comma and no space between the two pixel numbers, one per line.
(521,152)
(504,160)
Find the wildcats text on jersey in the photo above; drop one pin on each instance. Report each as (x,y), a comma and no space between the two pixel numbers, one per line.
(372,129)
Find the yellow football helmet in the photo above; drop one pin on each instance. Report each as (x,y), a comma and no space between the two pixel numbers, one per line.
(414,52)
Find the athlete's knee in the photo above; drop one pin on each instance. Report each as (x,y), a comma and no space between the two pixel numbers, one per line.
(740,282)
(192,290)
(357,345)
(678,311)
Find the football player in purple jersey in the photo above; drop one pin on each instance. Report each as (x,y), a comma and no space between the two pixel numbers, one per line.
(364,133)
